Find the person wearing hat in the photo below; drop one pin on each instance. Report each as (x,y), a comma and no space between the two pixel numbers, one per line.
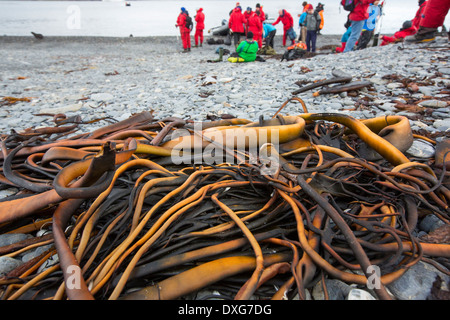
(184,30)
(319,9)
(312,23)
(260,13)
(199,27)
(246,51)
(255,25)
(247,15)
(236,25)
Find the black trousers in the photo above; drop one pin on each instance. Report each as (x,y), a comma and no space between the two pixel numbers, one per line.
(311,38)
(364,39)
(237,38)
(270,37)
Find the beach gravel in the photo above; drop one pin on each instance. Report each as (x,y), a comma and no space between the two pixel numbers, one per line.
(114,78)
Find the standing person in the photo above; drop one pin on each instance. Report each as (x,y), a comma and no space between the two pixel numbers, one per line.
(199,27)
(236,24)
(247,15)
(357,17)
(185,31)
(255,26)
(302,26)
(269,34)
(319,9)
(288,24)
(259,11)
(434,16)
(312,22)
(369,25)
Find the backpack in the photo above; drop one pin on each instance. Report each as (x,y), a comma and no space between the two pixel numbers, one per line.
(348,5)
(189,23)
(318,21)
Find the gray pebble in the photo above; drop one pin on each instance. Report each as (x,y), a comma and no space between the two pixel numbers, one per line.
(9,238)
(8,264)
(416,282)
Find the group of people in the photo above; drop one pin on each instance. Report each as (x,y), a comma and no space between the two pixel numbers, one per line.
(252,25)
(362,20)
(186,25)
(360,26)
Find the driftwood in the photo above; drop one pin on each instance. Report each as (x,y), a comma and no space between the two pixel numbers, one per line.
(339,77)
(345,87)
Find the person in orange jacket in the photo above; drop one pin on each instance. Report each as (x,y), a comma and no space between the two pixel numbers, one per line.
(184,30)
(199,27)
(288,24)
(319,9)
(255,25)
(236,23)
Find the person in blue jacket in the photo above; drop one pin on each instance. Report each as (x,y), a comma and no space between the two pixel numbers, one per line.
(269,32)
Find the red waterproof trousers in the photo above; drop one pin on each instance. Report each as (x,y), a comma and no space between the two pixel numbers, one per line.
(198,36)
(186,39)
(434,14)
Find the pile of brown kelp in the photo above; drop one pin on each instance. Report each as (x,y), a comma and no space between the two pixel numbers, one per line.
(134,212)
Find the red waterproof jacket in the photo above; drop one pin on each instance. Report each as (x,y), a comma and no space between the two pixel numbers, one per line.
(255,25)
(181,22)
(361,11)
(262,15)
(286,19)
(247,14)
(200,19)
(237,21)
(418,17)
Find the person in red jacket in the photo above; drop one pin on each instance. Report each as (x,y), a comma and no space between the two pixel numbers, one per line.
(255,25)
(288,24)
(184,30)
(199,27)
(357,17)
(409,27)
(433,17)
(260,13)
(236,24)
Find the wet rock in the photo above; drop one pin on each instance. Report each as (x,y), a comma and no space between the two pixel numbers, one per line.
(421,149)
(433,103)
(442,125)
(430,223)
(337,290)
(8,264)
(7,239)
(416,283)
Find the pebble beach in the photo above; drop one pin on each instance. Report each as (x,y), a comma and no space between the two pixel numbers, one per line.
(113,78)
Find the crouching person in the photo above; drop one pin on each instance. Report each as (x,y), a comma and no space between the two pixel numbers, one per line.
(246,50)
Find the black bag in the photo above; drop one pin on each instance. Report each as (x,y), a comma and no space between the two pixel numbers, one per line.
(189,23)
(349,5)
(292,54)
(228,40)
